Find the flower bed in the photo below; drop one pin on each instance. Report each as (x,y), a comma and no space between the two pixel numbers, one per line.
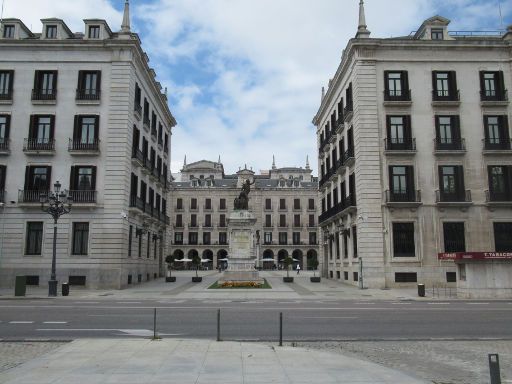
(240,285)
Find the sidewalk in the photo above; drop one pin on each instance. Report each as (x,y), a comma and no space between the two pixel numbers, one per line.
(195,361)
(183,288)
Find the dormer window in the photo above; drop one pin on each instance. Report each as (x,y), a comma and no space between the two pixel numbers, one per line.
(51,31)
(94,32)
(437,34)
(9,31)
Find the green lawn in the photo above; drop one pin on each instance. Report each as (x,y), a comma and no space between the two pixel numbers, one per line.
(265,285)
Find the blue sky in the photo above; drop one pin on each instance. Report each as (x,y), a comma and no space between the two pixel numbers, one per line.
(245,76)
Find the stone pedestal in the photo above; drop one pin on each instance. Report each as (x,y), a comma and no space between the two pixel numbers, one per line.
(242,241)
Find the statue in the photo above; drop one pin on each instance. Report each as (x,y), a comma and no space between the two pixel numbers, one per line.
(242,201)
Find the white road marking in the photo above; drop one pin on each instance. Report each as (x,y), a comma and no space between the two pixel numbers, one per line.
(21,322)
(129,302)
(364,303)
(87,302)
(401,303)
(130,332)
(439,303)
(477,303)
(325,317)
(55,322)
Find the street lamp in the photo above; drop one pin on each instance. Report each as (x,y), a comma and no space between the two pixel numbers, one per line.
(55,206)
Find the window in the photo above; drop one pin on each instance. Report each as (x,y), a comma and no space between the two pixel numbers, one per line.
(32,280)
(445,86)
(312,238)
(94,32)
(140,243)
(345,244)
(45,85)
(146,113)
(179,203)
(448,133)
(148,243)
(9,31)
(454,237)
(77,280)
(437,34)
(86,133)
(338,274)
(37,179)
(179,221)
(283,238)
(268,204)
(355,276)
(6,84)
(137,100)
(282,220)
(403,240)
(193,221)
(311,204)
(396,84)
(496,132)
(296,221)
(82,184)
(268,221)
(267,238)
(80,238)
(206,238)
(345,275)
(399,133)
(401,183)
(296,238)
(208,204)
(296,204)
(153,124)
(223,238)
(89,85)
(130,239)
(5,125)
(282,204)
(193,203)
(451,183)
(178,238)
(502,238)
(492,86)
(51,32)
(222,220)
(451,277)
(192,238)
(160,133)
(222,204)
(500,183)
(208,221)
(312,221)
(41,133)
(3,170)
(354,242)
(166,143)
(406,277)
(34,240)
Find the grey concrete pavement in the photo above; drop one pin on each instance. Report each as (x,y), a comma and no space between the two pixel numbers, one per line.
(196,361)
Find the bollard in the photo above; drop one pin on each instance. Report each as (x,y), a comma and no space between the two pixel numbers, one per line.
(280,329)
(218,324)
(494,368)
(154,324)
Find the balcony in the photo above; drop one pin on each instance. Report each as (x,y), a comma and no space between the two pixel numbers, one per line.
(6,97)
(88,96)
(400,146)
(297,225)
(39,146)
(454,146)
(2,196)
(348,111)
(498,198)
(193,226)
(77,147)
(348,158)
(494,98)
(83,197)
(137,111)
(44,96)
(457,198)
(137,202)
(146,123)
(29,196)
(137,157)
(496,146)
(397,98)
(445,98)
(5,146)
(153,134)
(403,199)
(179,226)
(340,124)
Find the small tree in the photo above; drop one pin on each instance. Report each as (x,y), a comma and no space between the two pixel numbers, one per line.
(169,259)
(196,262)
(287,262)
(313,264)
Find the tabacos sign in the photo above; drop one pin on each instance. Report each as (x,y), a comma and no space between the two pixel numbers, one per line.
(475,256)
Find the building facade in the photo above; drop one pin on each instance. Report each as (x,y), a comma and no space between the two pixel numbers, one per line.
(283,200)
(83,109)
(414,154)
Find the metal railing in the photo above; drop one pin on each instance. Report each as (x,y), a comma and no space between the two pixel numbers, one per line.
(31,195)
(88,94)
(79,145)
(137,154)
(493,144)
(397,95)
(347,155)
(6,95)
(441,95)
(348,108)
(453,144)
(137,108)
(2,196)
(44,94)
(413,196)
(80,196)
(492,196)
(400,144)
(4,144)
(35,144)
(463,196)
(494,95)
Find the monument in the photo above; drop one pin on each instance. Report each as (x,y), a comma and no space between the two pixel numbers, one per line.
(242,241)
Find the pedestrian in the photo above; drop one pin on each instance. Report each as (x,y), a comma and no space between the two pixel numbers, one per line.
(298,269)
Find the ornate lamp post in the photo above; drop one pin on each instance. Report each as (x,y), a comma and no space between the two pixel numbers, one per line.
(53,203)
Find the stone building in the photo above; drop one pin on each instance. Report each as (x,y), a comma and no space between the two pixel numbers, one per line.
(414,154)
(83,109)
(283,200)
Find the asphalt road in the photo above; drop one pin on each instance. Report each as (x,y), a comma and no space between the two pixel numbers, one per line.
(257,320)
